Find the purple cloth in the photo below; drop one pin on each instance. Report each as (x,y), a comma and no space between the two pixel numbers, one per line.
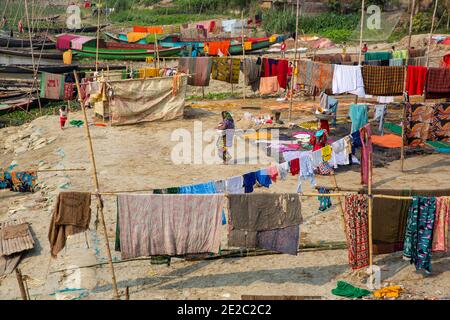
(283,240)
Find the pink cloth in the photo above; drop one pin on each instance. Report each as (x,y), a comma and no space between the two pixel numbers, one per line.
(63,41)
(441,229)
(77,43)
(273,173)
(366,150)
(166,224)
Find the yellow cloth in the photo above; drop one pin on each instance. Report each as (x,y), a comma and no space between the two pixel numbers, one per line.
(148,73)
(136,36)
(273,38)
(149,59)
(247,45)
(258,136)
(67,57)
(326,153)
(309,125)
(388,292)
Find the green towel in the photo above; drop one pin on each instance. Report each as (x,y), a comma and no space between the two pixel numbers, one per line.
(377,56)
(345,289)
(76,123)
(394,128)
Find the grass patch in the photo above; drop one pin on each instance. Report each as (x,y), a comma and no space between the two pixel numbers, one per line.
(148,17)
(215,96)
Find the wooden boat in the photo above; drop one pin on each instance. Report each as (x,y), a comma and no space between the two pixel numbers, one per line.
(123,38)
(27,53)
(50,18)
(28,69)
(67,30)
(7,41)
(22,102)
(124,53)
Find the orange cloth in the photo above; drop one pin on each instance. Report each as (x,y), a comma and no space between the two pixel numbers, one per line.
(268,85)
(387,141)
(214,47)
(139,29)
(157,30)
(135,36)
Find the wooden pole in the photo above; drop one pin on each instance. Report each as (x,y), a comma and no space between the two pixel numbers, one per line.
(23,293)
(369,192)
(361,32)
(99,198)
(243,51)
(295,62)
(411,22)
(157,52)
(341,207)
(127,293)
(431,32)
(402,151)
(98,34)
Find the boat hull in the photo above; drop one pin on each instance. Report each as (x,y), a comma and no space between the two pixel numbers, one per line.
(120,54)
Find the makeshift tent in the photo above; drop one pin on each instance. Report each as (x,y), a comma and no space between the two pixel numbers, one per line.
(142,100)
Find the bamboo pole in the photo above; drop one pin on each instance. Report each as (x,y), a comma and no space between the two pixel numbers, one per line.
(431,32)
(361,32)
(157,52)
(402,150)
(295,62)
(341,207)
(411,23)
(243,51)
(370,217)
(98,34)
(21,286)
(99,198)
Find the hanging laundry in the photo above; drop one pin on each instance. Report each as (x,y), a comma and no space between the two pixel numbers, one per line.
(418,61)
(263,178)
(325,169)
(219,46)
(199,68)
(419,232)
(72,215)
(377,56)
(440,126)
(220,186)
(52,86)
(348,79)
(249,181)
(283,169)
(380,112)
(319,140)
(317,158)
(384,81)
(415,53)
(359,116)
(322,75)
(356,220)
(345,289)
(247,45)
(169,224)
(306,170)
(400,54)
(294,166)
(268,85)
(419,118)
(396,62)
(225,69)
(366,150)
(278,68)
(441,229)
(326,153)
(235,185)
(324,201)
(251,69)
(148,73)
(387,99)
(437,85)
(273,173)
(172,190)
(415,80)
(201,188)
(305,69)
(277,229)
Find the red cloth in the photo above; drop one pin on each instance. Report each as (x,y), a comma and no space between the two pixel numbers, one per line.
(324,125)
(62,121)
(282,71)
(415,80)
(68,90)
(214,47)
(63,42)
(140,29)
(446,60)
(295,166)
(212,25)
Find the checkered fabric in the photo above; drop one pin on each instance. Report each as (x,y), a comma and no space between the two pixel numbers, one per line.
(383,81)
(437,85)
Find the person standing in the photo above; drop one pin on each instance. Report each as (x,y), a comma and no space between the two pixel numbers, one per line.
(283,49)
(63,115)
(4,24)
(20,26)
(365,48)
(226,136)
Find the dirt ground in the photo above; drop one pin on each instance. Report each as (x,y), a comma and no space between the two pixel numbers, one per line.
(139,158)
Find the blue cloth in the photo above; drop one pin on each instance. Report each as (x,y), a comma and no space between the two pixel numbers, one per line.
(249,181)
(356,141)
(359,116)
(263,178)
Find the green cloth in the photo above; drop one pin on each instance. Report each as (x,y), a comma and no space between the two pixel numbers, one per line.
(394,128)
(400,54)
(358,115)
(377,56)
(76,123)
(173,190)
(345,289)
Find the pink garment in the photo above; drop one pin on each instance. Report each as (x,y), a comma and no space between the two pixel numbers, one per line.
(441,229)
(366,141)
(273,173)
(166,224)
(77,43)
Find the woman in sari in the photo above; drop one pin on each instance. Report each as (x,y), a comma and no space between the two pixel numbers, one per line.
(225,140)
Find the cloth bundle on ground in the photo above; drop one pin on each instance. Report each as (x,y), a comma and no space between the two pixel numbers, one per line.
(72,215)
(390,141)
(274,67)
(199,69)
(136,101)
(383,81)
(15,238)
(438,83)
(356,221)
(226,69)
(52,86)
(160,224)
(251,70)
(415,80)
(427,122)
(266,221)
(348,79)
(18,181)
(344,289)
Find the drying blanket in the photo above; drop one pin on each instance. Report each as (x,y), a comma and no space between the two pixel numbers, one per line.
(52,86)
(438,83)
(199,68)
(226,69)
(136,101)
(161,224)
(383,81)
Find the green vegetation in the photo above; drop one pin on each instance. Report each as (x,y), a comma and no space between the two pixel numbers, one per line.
(215,96)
